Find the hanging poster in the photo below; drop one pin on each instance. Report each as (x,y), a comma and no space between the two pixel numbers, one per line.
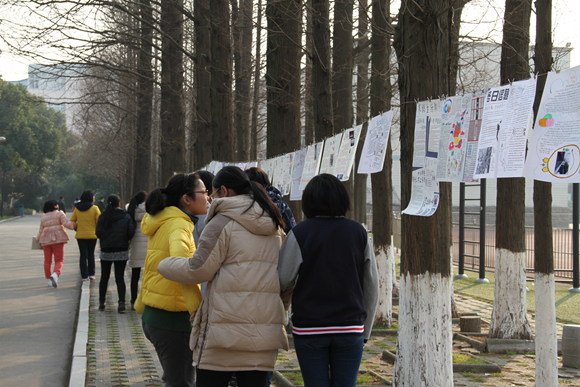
(475,119)
(299,160)
(375,146)
(346,153)
(278,173)
(267,166)
(425,188)
(311,164)
(288,168)
(554,152)
(453,138)
(331,145)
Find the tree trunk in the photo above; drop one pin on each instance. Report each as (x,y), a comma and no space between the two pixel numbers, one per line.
(362,115)
(381,182)
(424,347)
(144,100)
(242,57)
(221,81)
(203,137)
(321,70)
(256,100)
(308,87)
(546,332)
(508,319)
(172,113)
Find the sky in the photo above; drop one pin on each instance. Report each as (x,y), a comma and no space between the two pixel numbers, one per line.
(565,23)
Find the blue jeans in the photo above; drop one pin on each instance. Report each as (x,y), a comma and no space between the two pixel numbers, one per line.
(87,259)
(329,360)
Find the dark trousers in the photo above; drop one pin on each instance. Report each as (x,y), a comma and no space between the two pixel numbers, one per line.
(174,355)
(135,274)
(329,360)
(87,258)
(119,279)
(207,378)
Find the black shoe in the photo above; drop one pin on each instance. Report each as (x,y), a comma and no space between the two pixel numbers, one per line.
(102,305)
(132,306)
(121,308)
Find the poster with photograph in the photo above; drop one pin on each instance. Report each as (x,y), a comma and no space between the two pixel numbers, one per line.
(299,160)
(331,145)
(311,164)
(346,153)
(453,139)
(475,118)
(554,151)
(375,146)
(425,188)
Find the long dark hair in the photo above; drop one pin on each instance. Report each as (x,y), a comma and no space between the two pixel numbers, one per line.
(106,217)
(234,178)
(180,184)
(135,201)
(258,175)
(87,196)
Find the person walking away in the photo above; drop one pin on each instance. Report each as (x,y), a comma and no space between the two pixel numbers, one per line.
(138,247)
(167,306)
(86,214)
(240,324)
(260,176)
(61,205)
(52,237)
(328,262)
(115,228)
(101,204)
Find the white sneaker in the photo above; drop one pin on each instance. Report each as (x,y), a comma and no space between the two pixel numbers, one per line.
(54,280)
(49,282)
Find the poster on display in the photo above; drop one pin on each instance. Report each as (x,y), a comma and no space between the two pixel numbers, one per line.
(375,146)
(554,151)
(347,152)
(453,139)
(475,119)
(425,188)
(299,160)
(311,163)
(288,169)
(331,146)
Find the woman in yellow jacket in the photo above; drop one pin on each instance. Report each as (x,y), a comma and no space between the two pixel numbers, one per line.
(86,215)
(168,307)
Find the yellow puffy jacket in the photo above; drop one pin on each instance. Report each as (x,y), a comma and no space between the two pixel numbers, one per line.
(170,235)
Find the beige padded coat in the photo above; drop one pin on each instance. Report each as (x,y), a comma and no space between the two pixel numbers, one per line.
(240,323)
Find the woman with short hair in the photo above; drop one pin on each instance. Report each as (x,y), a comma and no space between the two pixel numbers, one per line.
(86,214)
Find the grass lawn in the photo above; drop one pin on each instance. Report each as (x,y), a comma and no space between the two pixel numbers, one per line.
(567,304)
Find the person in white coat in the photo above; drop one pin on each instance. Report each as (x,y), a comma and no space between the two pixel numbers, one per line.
(138,249)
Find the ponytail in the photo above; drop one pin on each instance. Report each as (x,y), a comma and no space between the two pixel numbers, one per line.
(136,201)
(106,217)
(234,178)
(178,185)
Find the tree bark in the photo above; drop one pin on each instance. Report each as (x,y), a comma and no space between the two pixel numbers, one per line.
(424,350)
(221,81)
(308,86)
(242,57)
(256,99)
(509,319)
(546,331)
(202,147)
(144,100)
(172,112)
(321,70)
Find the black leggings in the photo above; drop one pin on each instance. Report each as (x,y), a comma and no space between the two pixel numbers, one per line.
(119,279)
(135,274)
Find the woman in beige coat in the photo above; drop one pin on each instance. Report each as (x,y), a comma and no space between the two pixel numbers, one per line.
(240,323)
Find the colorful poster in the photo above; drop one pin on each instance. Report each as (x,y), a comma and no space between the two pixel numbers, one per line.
(453,139)
(554,151)
(311,164)
(475,119)
(346,153)
(331,145)
(425,188)
(375,146)
(299,160)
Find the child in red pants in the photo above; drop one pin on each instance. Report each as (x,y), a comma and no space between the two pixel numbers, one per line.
(52,236)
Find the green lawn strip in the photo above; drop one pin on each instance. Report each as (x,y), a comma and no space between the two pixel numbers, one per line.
(462,358)
(363,378)
(567,304)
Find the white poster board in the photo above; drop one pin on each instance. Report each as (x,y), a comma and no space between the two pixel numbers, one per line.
(554,152)
(331,145)
(311,164)
(475,119)
(453,139)
(299,161)
(375,146)
(346,153)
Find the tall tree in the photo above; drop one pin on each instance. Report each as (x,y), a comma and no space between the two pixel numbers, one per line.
(424,347)
(256,91)
(382,186)
(308,99)
(321,70)
(144,99)
(203,137)
(221,81)
(172,109)
(546,332)
(508,319)
(342,65)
